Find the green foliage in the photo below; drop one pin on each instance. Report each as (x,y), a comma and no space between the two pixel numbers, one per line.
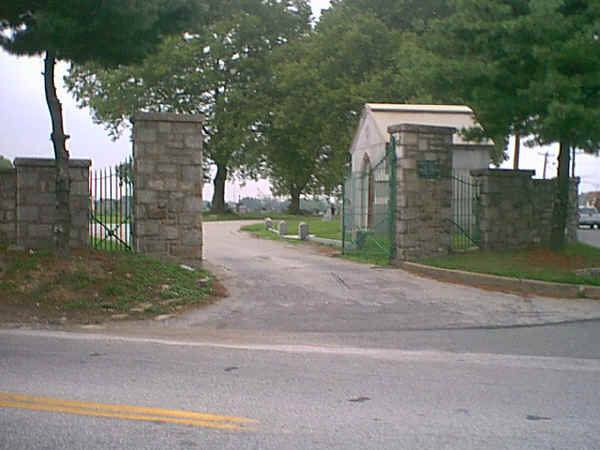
(5,163)
(215,70)
(111,31)
(526,68)
(359,52)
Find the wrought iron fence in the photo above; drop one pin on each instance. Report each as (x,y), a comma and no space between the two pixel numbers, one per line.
(466,204)
(368,216)
(111,207)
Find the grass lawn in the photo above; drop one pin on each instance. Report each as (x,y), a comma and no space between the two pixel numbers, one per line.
(538,263)
(91,286)
(208,217)
(373,252)
(329,229)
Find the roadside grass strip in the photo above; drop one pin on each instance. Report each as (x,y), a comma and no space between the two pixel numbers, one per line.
(128,412)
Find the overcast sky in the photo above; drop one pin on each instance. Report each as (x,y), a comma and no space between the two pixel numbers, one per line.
(25,128)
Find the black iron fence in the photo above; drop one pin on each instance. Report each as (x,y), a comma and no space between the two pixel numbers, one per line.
(111,207)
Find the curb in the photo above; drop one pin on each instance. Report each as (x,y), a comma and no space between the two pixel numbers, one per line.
(522,286)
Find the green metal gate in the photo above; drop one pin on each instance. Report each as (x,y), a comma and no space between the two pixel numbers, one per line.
(369,209)
(466,205)
(111,205)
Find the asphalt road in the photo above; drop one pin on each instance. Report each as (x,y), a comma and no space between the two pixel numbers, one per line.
(293,288)
(312,352)
(102,392)
(591,237)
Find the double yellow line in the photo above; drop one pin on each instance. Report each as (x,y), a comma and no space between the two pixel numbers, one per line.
(9,400)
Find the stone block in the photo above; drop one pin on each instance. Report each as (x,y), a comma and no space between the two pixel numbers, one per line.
(170,232)
(146,196)
(148,228)
(193,141)
(165,127)
(187,128)
(146,166)
(192,239)
(156,213)
(282,229)
(146,134)
(28,214)
(303,231)
(408,138)
(156,184)
(192,172)
(152,246)
(193,205)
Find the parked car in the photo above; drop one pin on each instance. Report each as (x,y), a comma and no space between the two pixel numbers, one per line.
(589,217)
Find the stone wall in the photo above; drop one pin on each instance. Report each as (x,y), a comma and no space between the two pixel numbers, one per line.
(423,203)
(28,203)
(8,205)
(168,178)
(517,210)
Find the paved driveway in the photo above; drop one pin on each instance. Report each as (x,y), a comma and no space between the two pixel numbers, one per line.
(591,237)
(278,286)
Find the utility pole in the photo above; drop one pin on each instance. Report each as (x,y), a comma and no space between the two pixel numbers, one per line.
(517,152)
(545,164)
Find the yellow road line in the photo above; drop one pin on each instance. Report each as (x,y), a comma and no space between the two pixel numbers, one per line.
(21,401)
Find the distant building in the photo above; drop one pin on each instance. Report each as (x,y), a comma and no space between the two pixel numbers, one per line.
(369,186)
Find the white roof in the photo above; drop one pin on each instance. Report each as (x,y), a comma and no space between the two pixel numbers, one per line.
(395,107)
(387,114)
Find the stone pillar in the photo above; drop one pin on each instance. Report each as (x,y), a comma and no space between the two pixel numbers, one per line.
(36,202)
(424,190)
(168,180)
(8,206)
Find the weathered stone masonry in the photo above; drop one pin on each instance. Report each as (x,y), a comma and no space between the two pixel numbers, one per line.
(28,202)
(423,206)
(8,205)
(168,180)
(517,210)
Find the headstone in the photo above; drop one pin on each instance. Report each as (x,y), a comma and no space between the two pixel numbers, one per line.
(303,231)
(268,223)
(282,228)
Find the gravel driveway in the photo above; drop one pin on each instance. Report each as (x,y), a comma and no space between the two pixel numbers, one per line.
(278,286)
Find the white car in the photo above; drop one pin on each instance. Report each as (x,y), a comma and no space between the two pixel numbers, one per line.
(589,217)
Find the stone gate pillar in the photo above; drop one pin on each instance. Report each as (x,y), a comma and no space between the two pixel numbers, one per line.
(424,190)
(168,179)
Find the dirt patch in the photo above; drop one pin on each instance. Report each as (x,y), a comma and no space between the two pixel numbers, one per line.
(545,257)
(91,287)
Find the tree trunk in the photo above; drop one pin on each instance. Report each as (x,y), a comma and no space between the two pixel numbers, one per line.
(517,153)
(218,200)
(561,203)
(294,201)
(62,226)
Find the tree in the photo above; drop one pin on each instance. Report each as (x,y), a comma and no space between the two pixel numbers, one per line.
(529,68)
(318,87)
(404,15)
(215,71)
(108,32)
(5,163)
